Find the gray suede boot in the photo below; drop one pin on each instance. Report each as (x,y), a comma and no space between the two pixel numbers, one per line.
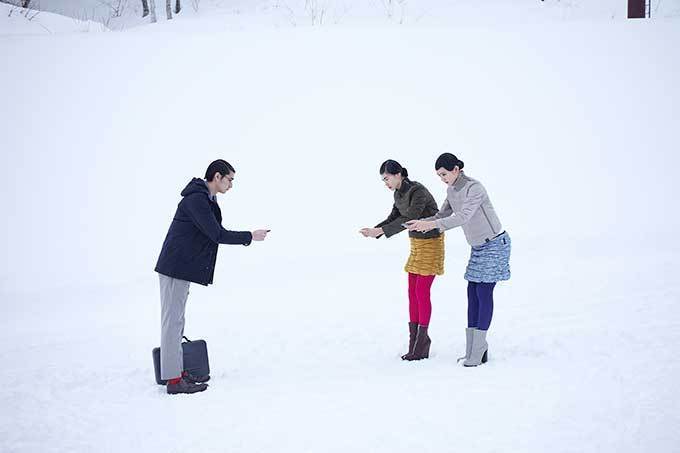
(468,343)
(480,349)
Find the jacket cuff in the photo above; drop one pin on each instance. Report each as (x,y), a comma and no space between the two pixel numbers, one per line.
(390,229)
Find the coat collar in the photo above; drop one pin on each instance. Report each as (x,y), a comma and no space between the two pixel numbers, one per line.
(406,184)
(210,196)
(460,182)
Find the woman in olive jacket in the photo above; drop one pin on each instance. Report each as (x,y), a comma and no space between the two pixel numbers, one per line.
(413,201)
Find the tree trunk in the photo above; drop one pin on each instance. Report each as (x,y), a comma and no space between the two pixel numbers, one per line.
(145,6)
(152,5)
(178,7)
(637,9)
(168,8)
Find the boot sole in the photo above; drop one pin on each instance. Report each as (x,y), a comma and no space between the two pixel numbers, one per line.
(417,358)
(485,358)
(189,393)
(424,356)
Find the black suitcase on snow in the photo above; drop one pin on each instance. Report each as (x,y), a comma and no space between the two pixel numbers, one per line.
(195,359)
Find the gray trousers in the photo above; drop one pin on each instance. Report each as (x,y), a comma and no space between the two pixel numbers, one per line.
(174,294)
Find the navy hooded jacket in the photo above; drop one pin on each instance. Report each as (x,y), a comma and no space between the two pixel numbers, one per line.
(190,248)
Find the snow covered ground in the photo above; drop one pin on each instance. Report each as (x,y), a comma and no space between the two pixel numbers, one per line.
(573,128)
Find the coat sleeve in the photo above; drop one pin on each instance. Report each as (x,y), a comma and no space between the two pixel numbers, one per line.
(414,211)
(473,200)
(198,208)
(393,215)
(444,211)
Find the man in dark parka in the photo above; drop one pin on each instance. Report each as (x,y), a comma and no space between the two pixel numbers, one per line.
(188,255)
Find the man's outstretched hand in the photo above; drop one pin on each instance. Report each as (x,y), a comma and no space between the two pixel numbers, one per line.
(260,235)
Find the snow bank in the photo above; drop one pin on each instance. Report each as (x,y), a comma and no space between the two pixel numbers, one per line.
(249,14)
(21,21)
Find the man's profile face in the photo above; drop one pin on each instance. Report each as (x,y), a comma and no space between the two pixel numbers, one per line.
(226,182)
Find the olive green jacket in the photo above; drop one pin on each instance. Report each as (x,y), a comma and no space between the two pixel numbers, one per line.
(411,201)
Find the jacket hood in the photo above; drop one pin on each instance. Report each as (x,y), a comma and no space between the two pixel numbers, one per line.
(196,185)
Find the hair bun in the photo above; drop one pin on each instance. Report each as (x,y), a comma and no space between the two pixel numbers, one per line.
(461,164)
(404,172)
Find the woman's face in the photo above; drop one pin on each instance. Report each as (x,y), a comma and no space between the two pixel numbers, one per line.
(392,182)
(448,177)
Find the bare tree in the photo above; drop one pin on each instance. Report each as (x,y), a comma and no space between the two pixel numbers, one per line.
(152,11)
(168,8)
(391,5)
(316,11)
(117,7)
(17,4)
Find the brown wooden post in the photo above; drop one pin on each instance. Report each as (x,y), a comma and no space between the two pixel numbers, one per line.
(637,9)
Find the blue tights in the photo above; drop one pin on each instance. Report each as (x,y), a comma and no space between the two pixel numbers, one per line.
(480,304)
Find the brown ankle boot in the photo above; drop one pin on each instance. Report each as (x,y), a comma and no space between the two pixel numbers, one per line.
(413,332)
(421,349)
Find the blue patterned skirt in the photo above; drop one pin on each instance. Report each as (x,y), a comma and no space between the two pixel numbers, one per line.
(490,262)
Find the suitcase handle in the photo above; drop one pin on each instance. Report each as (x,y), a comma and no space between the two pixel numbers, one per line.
(188,341)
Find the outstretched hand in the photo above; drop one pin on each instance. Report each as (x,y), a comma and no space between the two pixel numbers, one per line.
(371,232)
(422,226)
(260,235)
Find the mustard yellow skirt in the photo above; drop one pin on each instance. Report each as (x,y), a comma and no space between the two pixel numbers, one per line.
(427,256)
